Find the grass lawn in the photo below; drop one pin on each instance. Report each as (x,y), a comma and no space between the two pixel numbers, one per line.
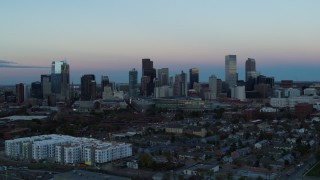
(315,171)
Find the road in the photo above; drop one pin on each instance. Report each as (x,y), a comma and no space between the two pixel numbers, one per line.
(298,172)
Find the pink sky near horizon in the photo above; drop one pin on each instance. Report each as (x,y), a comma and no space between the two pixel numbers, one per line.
(111,37)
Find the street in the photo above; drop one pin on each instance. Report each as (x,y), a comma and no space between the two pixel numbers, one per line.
(298,172)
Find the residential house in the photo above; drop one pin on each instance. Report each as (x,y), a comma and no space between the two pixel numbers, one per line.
(227,159)
(133,164)
(174,128)
(285,146)
(261,144)
(240,152)
(201,169)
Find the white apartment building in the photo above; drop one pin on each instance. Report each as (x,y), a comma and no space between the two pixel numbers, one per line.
(13,147)
(291,102)
(310,91)
(66,149)
(68,154)
(279,102)
(292,92)
(268,110)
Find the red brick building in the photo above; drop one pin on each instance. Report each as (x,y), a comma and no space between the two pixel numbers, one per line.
(303,110)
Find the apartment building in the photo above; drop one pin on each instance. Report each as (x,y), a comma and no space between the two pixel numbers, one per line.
(66,149)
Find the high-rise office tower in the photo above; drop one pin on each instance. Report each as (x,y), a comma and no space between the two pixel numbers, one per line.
(133,83)
(163,76)
(184,84)
(180,85)
(88,87)
(213,86)
(46,85)
(265,80)
(250,67)
(219,87)
(231,70)
(104,82)
(145,80)
(20,91)
(194,77)
(36,90)
(60,80)
(148,71)
(93,89)
(176,85)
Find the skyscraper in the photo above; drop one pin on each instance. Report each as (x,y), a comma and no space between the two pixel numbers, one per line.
(180,85)
(231,70)
(163,76)
(60,80)
(20,91)
(148,71)
(88,87)
(133,83)
(36,90)
(104,82)
(194,77)
(250,67)
(184,84)
(46,85)
(145,80)
(213,86)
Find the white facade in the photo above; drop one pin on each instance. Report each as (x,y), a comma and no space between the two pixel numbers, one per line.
(238,92)
(68,154)
(163,91)
(279,102)
(302,99)
(107,93)
(291,102)
(291,92)
(118,94)
(310,91)
(66,149)
(268,110)
(110,152)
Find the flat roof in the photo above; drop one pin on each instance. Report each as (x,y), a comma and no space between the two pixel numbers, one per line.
(23,118)
(85,175)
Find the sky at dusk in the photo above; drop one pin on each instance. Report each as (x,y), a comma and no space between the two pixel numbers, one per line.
(110,37)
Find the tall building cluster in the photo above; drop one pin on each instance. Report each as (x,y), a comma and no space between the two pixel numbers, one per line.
(157,83)
(66,149)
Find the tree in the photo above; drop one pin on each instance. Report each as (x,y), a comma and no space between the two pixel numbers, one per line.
(259,178)
(172,138)
(229,176)
(146,160)
(318,155)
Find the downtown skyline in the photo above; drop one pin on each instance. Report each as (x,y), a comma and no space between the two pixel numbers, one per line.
(110,38)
